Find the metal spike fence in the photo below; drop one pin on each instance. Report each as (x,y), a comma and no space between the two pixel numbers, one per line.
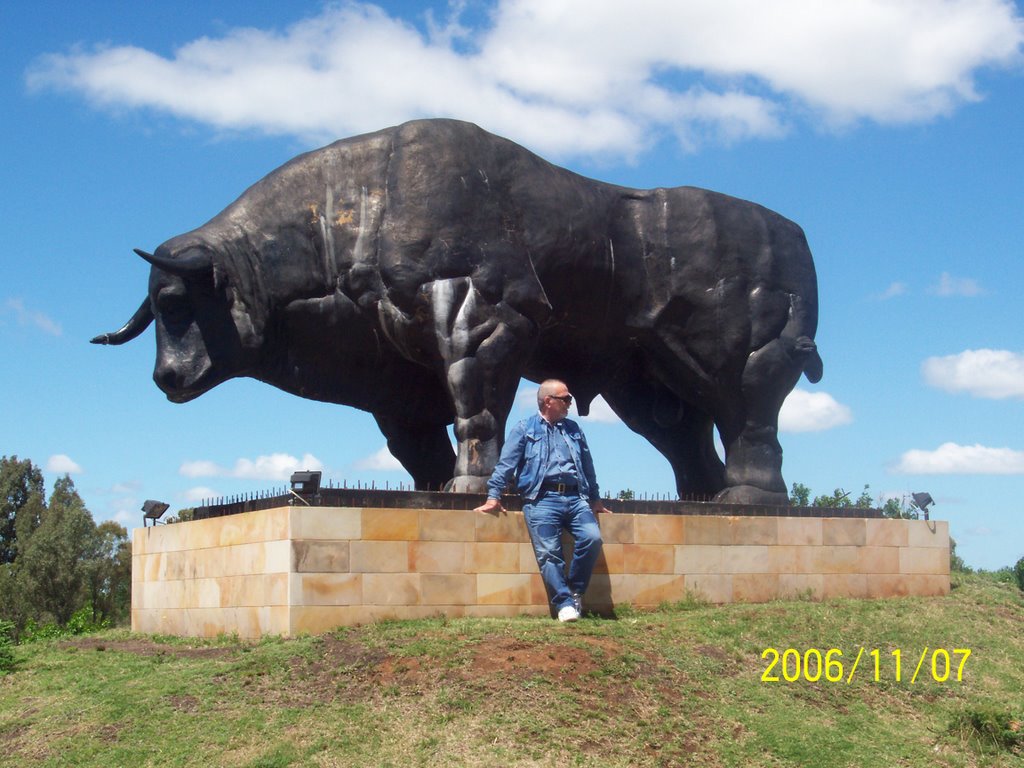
(404,496)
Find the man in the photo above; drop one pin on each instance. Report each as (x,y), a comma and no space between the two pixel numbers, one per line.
(548,455)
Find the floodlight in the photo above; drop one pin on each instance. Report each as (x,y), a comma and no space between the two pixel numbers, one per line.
(152,510)
(922,500)
(305,485)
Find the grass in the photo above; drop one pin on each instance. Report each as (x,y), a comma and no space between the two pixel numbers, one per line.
(678,686)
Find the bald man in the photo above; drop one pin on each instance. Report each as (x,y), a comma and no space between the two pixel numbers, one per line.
(548,457)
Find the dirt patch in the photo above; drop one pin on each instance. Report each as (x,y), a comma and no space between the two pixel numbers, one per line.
(510,658)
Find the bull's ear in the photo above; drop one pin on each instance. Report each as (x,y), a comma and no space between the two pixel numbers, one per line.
(192,263)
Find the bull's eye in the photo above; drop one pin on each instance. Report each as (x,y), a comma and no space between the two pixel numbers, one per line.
(173,308)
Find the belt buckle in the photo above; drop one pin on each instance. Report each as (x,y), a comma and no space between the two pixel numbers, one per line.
(561,488)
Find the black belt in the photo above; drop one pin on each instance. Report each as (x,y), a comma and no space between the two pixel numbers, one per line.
(559,487)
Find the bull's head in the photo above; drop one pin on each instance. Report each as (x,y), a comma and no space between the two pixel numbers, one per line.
(200,323)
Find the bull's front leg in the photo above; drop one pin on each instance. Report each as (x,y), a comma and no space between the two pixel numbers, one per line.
(482,348)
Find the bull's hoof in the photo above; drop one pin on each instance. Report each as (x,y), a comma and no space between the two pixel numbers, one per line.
(749,494)
(467,484)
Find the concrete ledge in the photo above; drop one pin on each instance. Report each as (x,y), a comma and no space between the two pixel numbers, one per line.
(291,570)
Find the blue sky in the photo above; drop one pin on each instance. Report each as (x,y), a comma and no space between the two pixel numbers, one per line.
(891,132)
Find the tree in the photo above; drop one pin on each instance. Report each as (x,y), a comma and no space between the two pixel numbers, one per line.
(800,495)
(900,509)
(109,573)
(58,556)
(20,481)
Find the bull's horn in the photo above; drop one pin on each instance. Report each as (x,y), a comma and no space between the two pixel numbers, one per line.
(194,263)
(139,322)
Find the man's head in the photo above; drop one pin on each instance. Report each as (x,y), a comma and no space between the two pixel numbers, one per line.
(553,400)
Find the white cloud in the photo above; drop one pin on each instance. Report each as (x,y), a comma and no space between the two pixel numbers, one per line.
(993,373)
(953,459)
(956,286)
(805,411)
(382,460)
(276,466)
(31,317)
(601,412)
(62,464)
(567,76)
(895,289)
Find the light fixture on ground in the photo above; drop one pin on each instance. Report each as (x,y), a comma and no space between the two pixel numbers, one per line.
(152,510)
(921,501)
(306,487)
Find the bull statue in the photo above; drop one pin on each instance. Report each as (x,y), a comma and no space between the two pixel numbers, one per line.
(418,272)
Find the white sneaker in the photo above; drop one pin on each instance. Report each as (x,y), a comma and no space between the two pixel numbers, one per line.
(568,613)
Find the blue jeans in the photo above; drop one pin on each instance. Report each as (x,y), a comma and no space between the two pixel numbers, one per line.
(545,518)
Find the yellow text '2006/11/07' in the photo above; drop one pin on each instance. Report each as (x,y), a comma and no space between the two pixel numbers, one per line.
(814,665)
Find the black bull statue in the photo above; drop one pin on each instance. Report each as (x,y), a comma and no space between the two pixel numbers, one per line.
(418,272)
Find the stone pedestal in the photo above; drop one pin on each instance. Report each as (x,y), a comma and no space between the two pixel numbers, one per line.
(293,570)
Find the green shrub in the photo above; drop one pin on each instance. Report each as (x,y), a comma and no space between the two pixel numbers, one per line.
(1018,573)
(80,623)
(6,646)
(988,729)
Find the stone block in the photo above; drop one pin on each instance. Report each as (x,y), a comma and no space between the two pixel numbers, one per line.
(447,525)
(493,557)
(448,589)
(843,532)
(713,587)
(853,585)
(504,589)
(878,560)
(320,556)
(391,588)
(327,523)
(708,530)
(659,529)
(787,558)
(800,531)
(503,527)
(617,529)
(928,533)
(611,559)
(698,558)
(649,558)
(929,560)
(887,585)
(755,587)
(326,588)
(390,524)
(438,556)
(379,556)
(745,559)
(753,531)
(798,585)
(886,533)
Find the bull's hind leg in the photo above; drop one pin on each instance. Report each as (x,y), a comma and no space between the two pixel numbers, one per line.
(482,348)
(682,433)
(753,456)
(423,449)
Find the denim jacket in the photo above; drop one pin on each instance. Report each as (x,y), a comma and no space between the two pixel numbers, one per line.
(525,455)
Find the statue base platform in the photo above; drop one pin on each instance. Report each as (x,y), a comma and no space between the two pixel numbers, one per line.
(290,570)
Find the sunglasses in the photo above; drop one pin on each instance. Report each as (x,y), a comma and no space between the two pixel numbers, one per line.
(567,399)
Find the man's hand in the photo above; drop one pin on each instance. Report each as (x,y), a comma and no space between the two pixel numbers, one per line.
(492,506)
(597,507)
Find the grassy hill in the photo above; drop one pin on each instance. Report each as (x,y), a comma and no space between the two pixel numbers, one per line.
(680,686)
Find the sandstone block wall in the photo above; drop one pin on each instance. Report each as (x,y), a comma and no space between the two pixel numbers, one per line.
(298,569)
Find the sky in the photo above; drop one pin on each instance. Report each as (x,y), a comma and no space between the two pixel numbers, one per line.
(890,131)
